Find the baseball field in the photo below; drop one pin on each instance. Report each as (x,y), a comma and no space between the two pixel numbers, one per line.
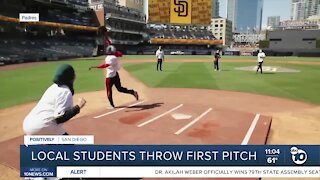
(287,93)
(21,85)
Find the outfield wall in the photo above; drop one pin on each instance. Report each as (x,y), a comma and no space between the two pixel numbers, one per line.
(293,43)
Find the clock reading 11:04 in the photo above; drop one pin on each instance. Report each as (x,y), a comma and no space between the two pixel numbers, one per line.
(272,151)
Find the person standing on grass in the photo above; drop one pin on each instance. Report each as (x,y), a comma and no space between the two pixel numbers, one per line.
(55,106)
(160,58)
(217,57)
(261,56)
(112,76)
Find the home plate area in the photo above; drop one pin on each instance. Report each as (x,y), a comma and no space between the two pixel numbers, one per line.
(151,122)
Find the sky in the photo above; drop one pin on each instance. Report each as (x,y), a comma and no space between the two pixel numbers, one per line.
(280,8)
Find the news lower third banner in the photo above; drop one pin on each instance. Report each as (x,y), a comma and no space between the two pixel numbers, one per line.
(170,161)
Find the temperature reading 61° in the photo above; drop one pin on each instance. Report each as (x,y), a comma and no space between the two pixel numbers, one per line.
(272,160)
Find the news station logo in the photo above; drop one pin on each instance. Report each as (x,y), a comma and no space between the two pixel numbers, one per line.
(299,156)
(181,7)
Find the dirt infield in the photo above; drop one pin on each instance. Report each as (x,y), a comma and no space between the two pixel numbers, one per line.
(292,122)
(153,122)
(269,69)
(17,66)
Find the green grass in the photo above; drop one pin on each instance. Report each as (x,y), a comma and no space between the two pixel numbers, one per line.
(224,58)
(301,86)
(28,84)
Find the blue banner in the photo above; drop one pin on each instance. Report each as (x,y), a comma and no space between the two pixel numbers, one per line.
(51,156)
(38,172)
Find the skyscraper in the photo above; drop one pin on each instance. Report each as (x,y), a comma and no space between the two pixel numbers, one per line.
(273,21)
(302,9)
(246,15)
(298,9)
(215,8)
(311,7)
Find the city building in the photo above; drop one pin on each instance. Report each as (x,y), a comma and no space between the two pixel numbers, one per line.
(273,21)
(311,7)
(246,15)
(302,9)
(133,4)
(215,8)
(222,30)
(298,10)
(313,22)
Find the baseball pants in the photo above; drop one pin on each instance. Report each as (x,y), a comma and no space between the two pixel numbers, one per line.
(116,81)
(216,65)
(159,64)
(260,67)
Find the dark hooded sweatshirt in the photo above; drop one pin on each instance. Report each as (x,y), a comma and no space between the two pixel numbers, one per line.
(65,75)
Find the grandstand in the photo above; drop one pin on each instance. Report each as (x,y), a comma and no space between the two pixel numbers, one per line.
(179,32)
(245,44)
(71,28)
(190,39)
(126,27)
(65,29)
(189,33)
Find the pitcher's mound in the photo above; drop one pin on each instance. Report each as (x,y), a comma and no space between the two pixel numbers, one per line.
(269,69)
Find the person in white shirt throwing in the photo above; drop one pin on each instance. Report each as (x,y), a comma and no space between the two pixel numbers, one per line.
(112,76)
(160,58)
(261,57)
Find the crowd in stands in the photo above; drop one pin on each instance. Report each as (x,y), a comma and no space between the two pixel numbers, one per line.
(179,33)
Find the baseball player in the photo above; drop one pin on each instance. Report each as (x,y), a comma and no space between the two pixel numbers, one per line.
(160,58)
(261,55)
(55,106)
(216,60)
(112,76)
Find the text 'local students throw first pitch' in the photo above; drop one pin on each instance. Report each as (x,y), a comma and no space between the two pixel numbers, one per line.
(112,76)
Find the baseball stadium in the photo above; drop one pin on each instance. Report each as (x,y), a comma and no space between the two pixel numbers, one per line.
(187,102)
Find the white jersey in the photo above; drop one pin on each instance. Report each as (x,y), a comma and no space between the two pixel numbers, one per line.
(160,54)
(114,67)
(52,105)
(261,56)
